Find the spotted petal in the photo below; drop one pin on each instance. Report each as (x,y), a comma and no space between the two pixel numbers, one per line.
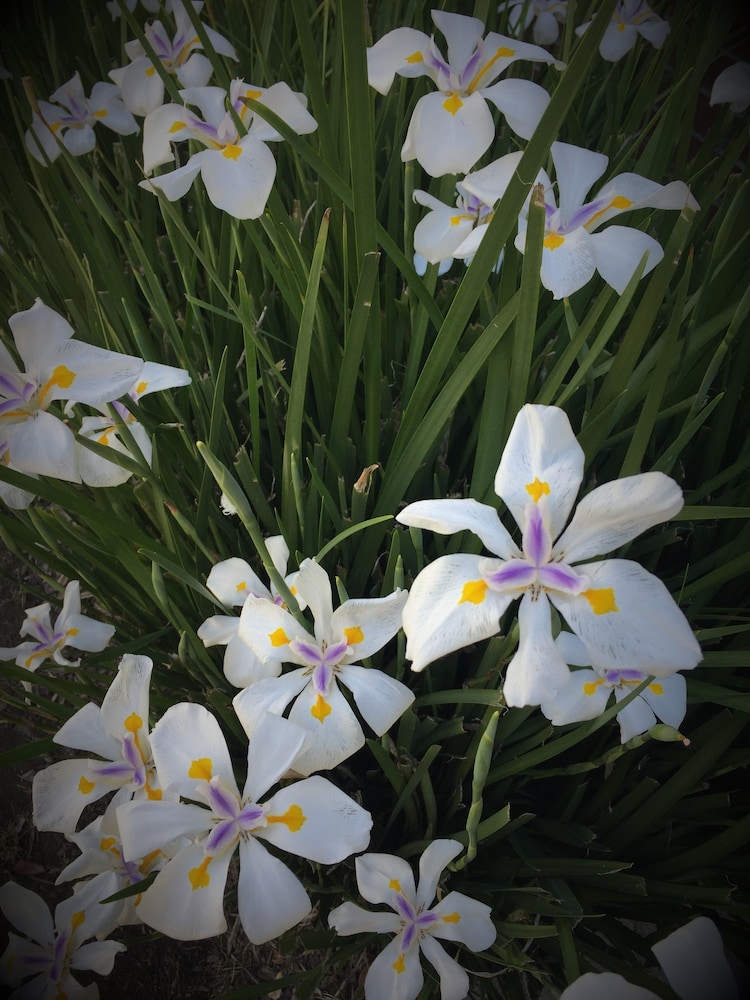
(334,730)
(584,697)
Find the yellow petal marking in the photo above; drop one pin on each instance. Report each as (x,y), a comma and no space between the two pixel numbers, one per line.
(62,377)
(452,918)
(77,919)
(456,219)
(141,388)
(399,965)
(619,201)
(85,786)
(553,241)
(72,631)
(176,127)
(104,438)
(452,104)
(253,94)
(107,843)
(293,817)
(354,635)
(415,57)
(537,489)
(101,113)
(590,687)
(150,71)
(199,877)
(474,592)
(320,709)
(201,768)
(133,722)
(279,637)
(395,885)
(601,599)
(241,586)
(148,860)
(154,794)
(656,688)
(232,152)
(502,53)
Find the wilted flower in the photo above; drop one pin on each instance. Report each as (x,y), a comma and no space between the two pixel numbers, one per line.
(630,19)
(573,251)
(547,16)
(587,692)
(71,628)
(397,972)
(118,733)
(142,87)
(354,631)
(625,617)
(56,367)
(51,950)
(71,118)
(310,818)
(238,169)
(450,130)
(232,581)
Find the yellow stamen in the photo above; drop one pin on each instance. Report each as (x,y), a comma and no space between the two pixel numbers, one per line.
(279,637)
(201,769)
(537,489)
(553,241)
(320,709)
(85,786)
(452,104)
(602,600)
(474,592)
(199,877)
(354,635)
(293,817)
(231,151)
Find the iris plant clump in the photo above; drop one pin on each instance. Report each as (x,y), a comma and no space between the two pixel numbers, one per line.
(387,580)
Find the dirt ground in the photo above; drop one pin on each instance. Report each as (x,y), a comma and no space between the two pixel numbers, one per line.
(153,966)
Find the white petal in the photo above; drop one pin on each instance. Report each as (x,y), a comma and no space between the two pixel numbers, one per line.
(352,919)
(177,183)
(595,985)
(149,825)
(271,899)
(431,865)
(268,629)
(541,451)
(629,621)
(380,699)
(490,183)
(667,698)
(655,30)
(37,331)
(239,178)
(99,375)
(618,252)
(232,579)
(395,975)
(162,126)
(694,962)
(290,106)
(576,170)
(567,265)
(314,586)
(584,697)
(315,820)
(189,747)
(732,86)
(376,874)
(617,512)
(617,41)
(448,516)
(462,34)
(454,982)
(186,901)
(334,730)
(269,694)
(522,103)
(85,730)
(242,667)
(442,615)
(368,624)
(27,912)
(274,745)
(44,446)
(61,791)
(79,141)
(438,234)
(537,671)
(219,630)
(635,718)
(128,697)
(390,55)
(196,72)
(447,135)
(97,956)
(141,86)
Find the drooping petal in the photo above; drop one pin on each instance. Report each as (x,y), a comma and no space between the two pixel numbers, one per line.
(352,919)
(448,516)
(44,446)
(79,141)
(541,458)
(97,956)
(667,698)
(380,877)
(195,72)
(61,791)
(537,671)
(521,102)
(239,178)
(584,697)
(654,30)
(289,105)
(242,667)
(490,183)
(694,962)
(85,730)
(141,86)
(450,606)
(380,699)
(635,718)
(315,820)
(431,865)
(394,974)
(162,126)
(189,747)
(27,912)
(398,51)
(438,234)
(334,730)
(618,251)
(627,192)
(616,512)
(93,374)
(177,183)
(274,745)
(454,982)
(448,134)
(271,899)
(629,621)
(568,261)
(186,901)
(220,630)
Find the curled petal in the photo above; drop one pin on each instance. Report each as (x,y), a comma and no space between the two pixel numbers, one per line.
(352,919)
(454,982)
(391,54)
(448,516)
(635,718)
(618,252)
(732,87)
(521,102)
(381,876)
(431,865)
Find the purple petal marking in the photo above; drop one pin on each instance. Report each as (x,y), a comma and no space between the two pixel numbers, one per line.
(249,815)
(618,676)
(405,908)
(334,652)
(513,574)
(426,919)
(537,543)
(35,963)
(407,936)
(222,802)
(222,835)
(321,678)
(115,769)
(469,71)
(309,651)
(558,576)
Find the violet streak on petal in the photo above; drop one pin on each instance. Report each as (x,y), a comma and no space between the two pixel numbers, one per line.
(222,802)
(223,835)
